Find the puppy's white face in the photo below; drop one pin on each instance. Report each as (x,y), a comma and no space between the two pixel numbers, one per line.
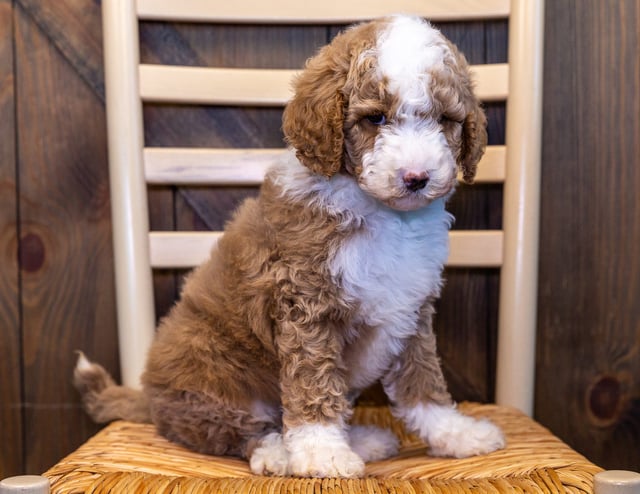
(403,124)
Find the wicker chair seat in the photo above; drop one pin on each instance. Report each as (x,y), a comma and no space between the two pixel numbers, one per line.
(129,457)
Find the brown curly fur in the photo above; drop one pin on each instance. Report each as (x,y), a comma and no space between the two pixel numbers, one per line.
(337,89)
(263,335)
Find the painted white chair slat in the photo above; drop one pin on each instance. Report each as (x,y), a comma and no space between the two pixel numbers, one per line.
(327,12)
(129,210)
(469,248)
(247,167)
(517,317)
(263,87)
(206,166)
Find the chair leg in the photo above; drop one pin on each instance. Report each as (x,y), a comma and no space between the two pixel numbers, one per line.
(616,482)
(25,484)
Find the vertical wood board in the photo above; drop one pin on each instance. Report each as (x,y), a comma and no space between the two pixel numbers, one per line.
(11,447)
(67,290)
(588,379)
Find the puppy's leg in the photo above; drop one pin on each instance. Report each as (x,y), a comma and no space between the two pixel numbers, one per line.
(417,389)
(210,424)
(314,390)
(450,433)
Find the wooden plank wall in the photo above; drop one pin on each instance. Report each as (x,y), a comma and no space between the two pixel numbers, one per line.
(11,451)
(66,290)
(54,211)
(588,387)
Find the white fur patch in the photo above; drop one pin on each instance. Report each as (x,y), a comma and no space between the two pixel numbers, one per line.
(411,146)
(317,450)
(450,433)
(270,457)
(389,268)
(373,443)
(83,363)
(406,50)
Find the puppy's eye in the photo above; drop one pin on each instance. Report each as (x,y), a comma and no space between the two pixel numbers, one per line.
(446,119)
(376,119)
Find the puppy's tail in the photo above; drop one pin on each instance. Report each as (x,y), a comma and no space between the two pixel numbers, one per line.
(103,399)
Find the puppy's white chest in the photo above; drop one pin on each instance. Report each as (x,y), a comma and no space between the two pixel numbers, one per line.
(389,267)
(388,270)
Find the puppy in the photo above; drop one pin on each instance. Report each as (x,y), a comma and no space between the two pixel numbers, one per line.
(325,283)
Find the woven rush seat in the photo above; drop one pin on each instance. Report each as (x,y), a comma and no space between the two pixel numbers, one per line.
(130,457)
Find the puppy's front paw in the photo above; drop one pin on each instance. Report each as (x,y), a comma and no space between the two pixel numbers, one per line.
(321,451)
(450,433)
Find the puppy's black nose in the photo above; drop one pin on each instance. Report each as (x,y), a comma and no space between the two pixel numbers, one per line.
(415,181)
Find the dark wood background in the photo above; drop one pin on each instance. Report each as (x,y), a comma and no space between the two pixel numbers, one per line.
(56,265)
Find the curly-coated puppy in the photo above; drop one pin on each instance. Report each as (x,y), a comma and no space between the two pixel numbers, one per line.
(325,283)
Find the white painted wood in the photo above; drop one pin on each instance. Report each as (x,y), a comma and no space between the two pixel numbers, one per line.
(180,249)
(25,484)
(518,294)
(264,87)
(206,166)
(475,248)
(491,168)
(492,81)
(616,482)
(325,12)
(215,86)
(136,318)
(188,249)
(201,166)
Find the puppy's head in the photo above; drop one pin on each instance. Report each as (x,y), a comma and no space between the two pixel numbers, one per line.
(390,102)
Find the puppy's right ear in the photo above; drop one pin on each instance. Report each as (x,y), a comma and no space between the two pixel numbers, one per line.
(313,119)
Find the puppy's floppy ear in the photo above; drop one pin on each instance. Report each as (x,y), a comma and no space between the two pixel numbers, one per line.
(313,119)
(474,142)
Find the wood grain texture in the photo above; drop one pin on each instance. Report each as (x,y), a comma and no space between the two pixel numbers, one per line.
(74,27)
(11,447)
(67,292)
(588,380)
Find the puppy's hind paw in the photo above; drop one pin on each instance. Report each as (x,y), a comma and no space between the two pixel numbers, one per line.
(270,456)
(372,443)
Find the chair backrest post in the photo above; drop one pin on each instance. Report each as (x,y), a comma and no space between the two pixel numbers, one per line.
(518,294)
(136,320)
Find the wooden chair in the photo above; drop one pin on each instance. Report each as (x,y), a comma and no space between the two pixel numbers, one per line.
(127,457)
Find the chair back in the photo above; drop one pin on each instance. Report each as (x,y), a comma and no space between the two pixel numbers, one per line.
(134,166)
